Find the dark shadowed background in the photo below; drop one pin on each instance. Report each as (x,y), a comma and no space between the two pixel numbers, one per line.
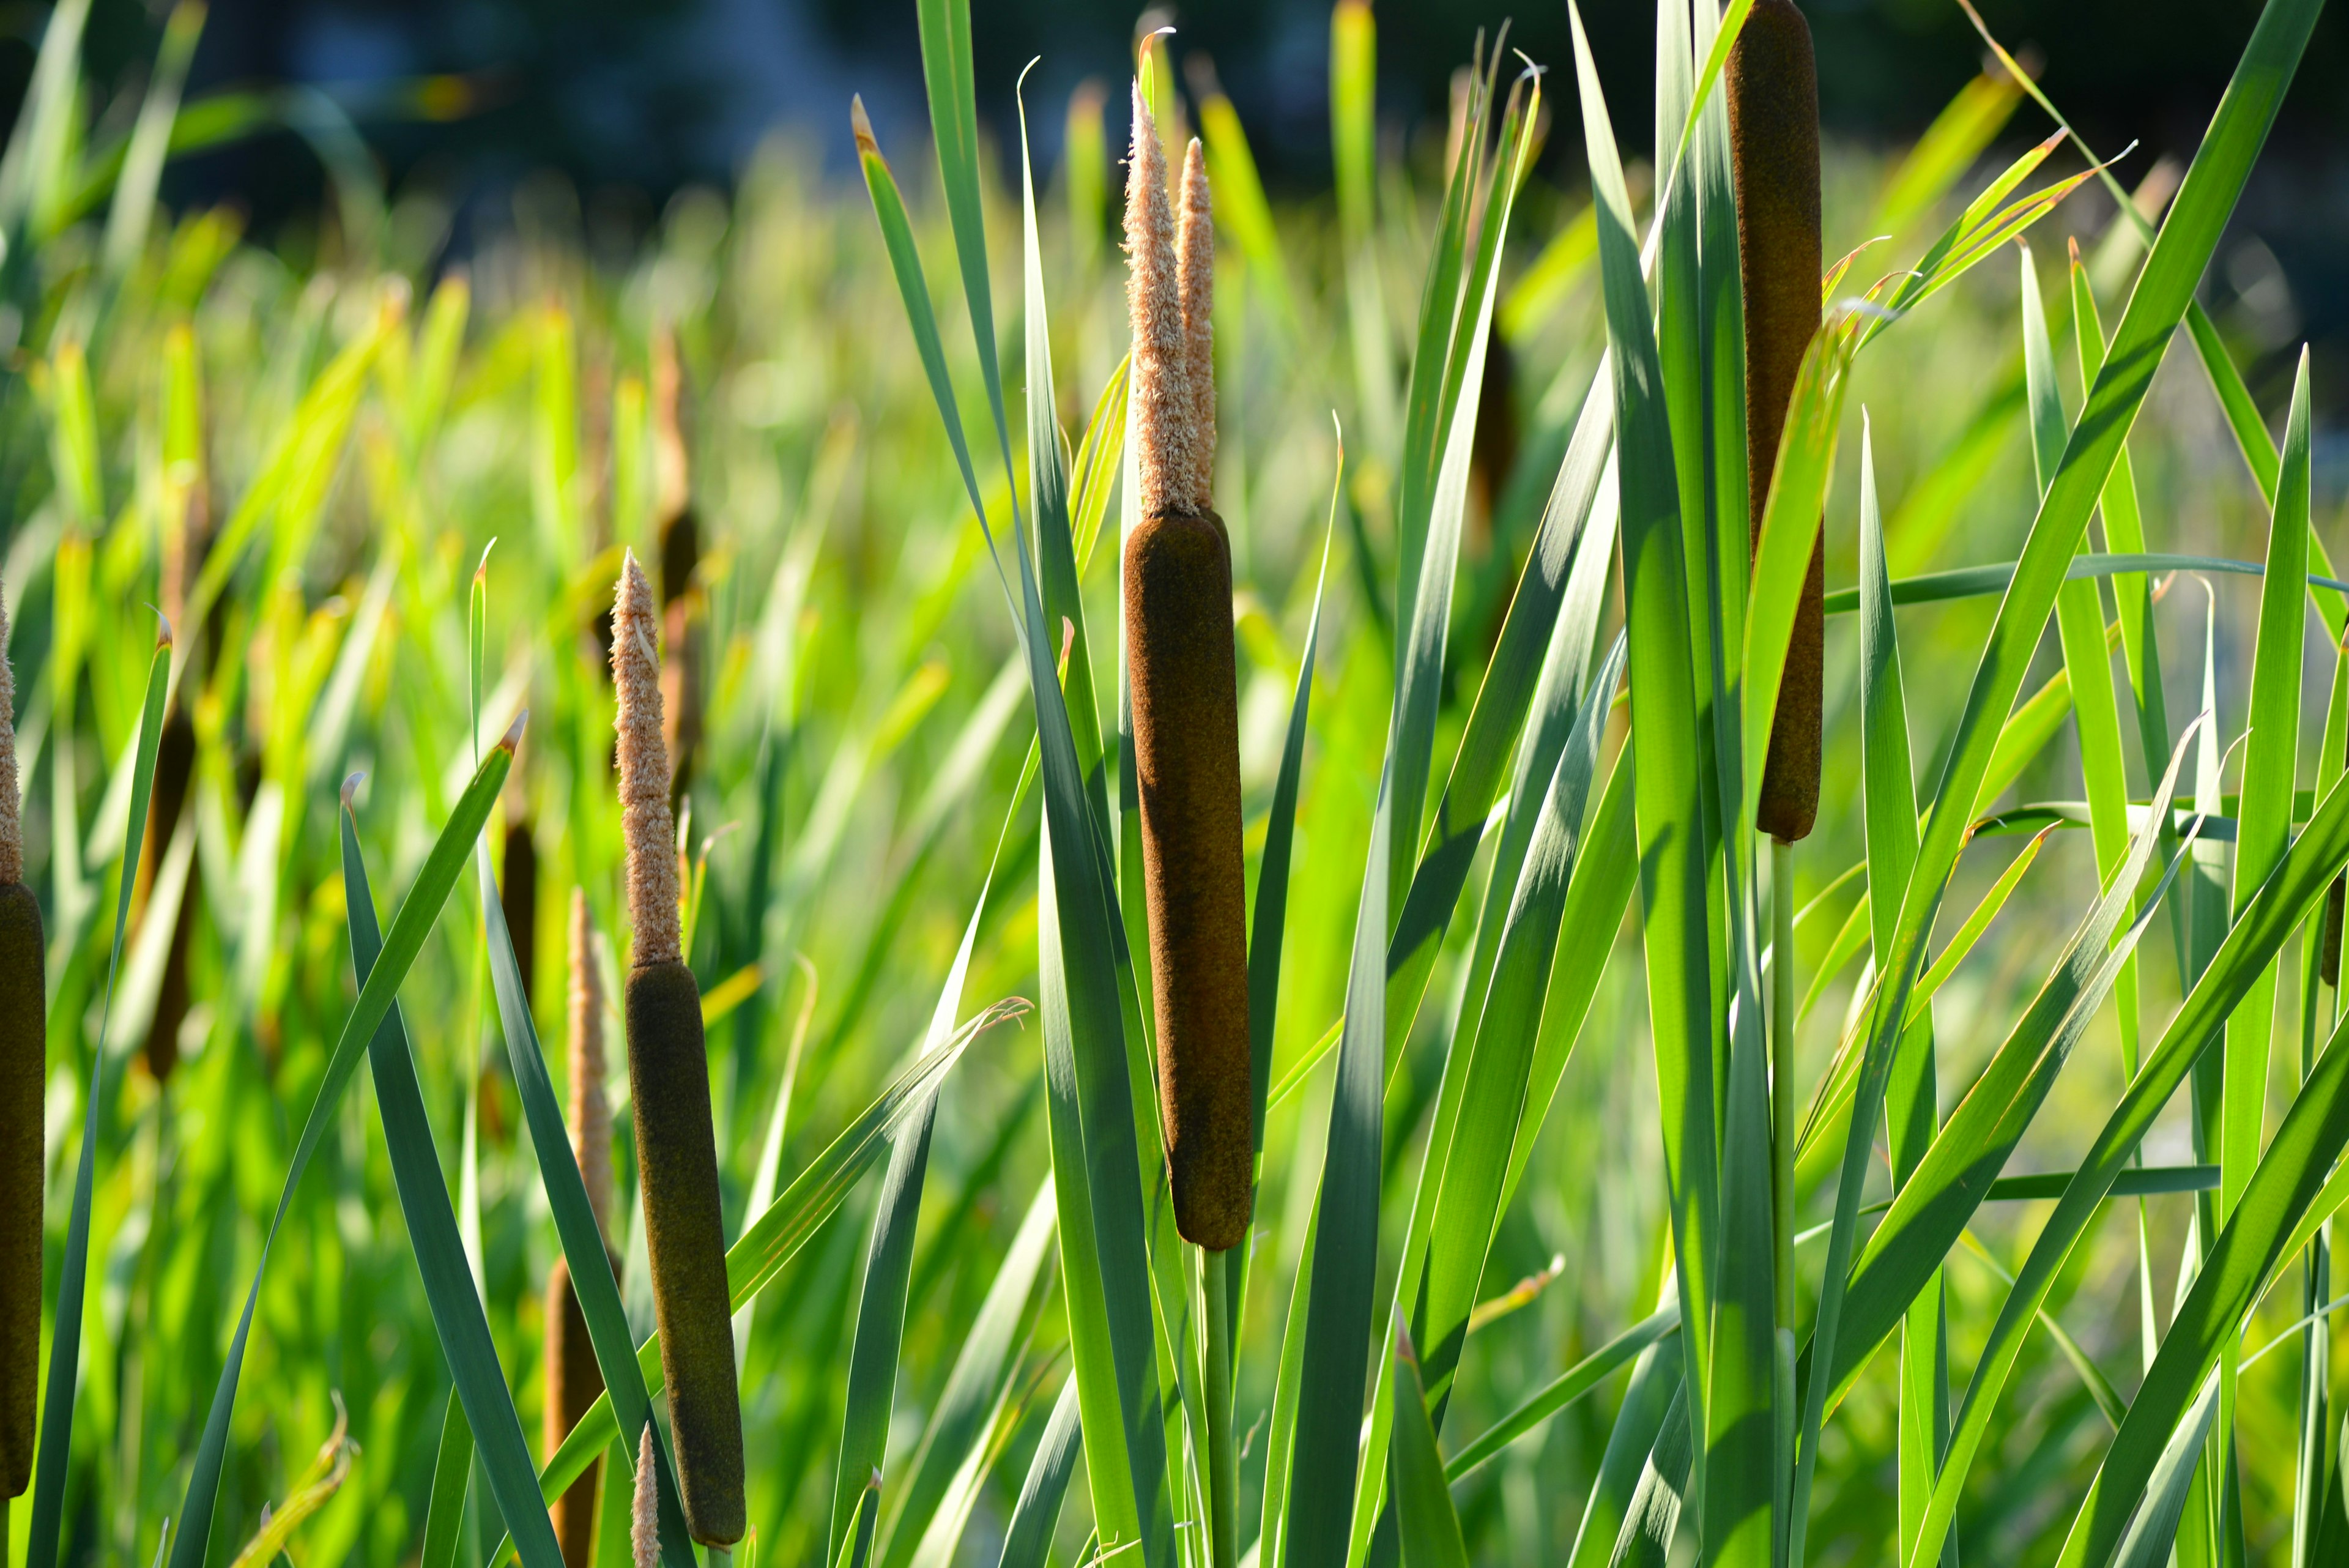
(632,99)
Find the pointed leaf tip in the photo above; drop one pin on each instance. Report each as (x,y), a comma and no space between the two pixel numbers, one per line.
(350,791)
(163,622)
(482,568)
(513,737)
(861,124)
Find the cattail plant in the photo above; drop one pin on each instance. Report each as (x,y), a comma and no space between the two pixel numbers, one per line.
(24,1069)
(1178,624)
(175,764)
(573,1379)
(1774,138)
(644,1507)
(668,1081)
(518,891)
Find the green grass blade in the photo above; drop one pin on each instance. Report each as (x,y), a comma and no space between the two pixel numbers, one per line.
(1430,1527)
(418,913)
(2246,1252)
(1653,1516)
(1652,1397)
(982,1371)
(2249,948)
(1027,1539)
(888,1265)
(1663,737)
(59,1394)
(464,1329)
(1564,1390)
(2153,1530)
(452,1467)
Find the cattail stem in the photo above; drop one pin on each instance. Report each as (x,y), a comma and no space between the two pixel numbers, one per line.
(1774,135)
(1223,1464)
(23,1072)
(573,1380)
(1177,593)
(669,1080)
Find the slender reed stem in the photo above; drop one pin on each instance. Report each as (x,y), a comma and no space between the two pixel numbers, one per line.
(1782,1075)
(1223,1465)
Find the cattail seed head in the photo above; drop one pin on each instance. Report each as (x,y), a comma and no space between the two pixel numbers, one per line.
(645,825)
(175,759)
(1774,133)
(1163,408)
(591,1108)
(1195,283)
(668,1084)
(644,1512)
(1177,600)
(24,1072)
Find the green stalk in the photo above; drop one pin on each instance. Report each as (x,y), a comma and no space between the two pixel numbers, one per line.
(1223,1462)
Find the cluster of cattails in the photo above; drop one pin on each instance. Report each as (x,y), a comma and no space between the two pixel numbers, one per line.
(1774,138)
(23,1032)
(669,1084)
(1177,592)
(573,1379)
(678,535)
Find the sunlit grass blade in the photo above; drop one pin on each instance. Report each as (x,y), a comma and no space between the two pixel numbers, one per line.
(1428,1526)
(1027,1539)
(1652,1399)
(1563,1390)
(881,1314)
(1663,741)
(2211,1319)
(59,1394)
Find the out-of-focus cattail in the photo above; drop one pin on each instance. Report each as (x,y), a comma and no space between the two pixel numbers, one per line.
(644,1507)
(1177,591)
(668,1081)
(1773,136)
(572,1383)
(24,1071)
(518,895)
(680,557)
(175,761)
(573,1379)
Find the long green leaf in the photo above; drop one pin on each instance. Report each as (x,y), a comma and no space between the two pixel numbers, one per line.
(1430,1527)
(418,913)
(58,1397)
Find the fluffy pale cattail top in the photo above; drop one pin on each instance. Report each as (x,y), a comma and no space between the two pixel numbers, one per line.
(12,822)
(1161,394)
(644,1509)
(1195,251)
(645,821)
(591,1112)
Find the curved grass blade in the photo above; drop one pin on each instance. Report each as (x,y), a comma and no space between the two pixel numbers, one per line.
(1655,1389)
(1980,582)
(410,925)
(73,1281)
(1429,1525)
(2211,1319)
(1564,1390)
(2153,1530)
(1027,1539)
(888,1264)
(481,1390)
(452,1469)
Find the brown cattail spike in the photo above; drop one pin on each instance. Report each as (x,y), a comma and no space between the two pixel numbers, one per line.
(591,1110)
(668,1081)
(24,1071)
(175,760)
(1773,136)
(573,1383)
(573,1378)
(1177,589)
(518,899)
